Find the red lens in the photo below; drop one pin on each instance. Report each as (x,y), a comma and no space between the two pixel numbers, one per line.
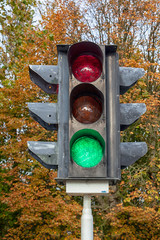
(87,109)
(87,68)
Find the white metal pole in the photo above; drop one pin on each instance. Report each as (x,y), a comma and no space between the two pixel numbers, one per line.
(87,219)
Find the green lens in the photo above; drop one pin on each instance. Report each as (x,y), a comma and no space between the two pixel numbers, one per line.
(87,151)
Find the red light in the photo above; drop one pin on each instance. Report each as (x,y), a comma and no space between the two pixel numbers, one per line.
(87,109)
(87,68)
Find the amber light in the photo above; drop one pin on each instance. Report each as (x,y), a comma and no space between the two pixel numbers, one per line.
(87,68)
(87,109)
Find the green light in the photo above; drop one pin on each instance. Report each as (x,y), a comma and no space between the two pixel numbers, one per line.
(87,148)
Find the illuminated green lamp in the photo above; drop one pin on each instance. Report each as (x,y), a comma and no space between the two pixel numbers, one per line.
(87,148)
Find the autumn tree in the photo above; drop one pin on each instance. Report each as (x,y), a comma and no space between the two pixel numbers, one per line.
(15,17)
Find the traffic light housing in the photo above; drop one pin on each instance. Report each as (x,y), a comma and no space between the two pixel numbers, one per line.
(89,64)
(88,115)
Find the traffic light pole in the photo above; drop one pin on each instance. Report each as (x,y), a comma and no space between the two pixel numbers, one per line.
(87,188)
(87,219)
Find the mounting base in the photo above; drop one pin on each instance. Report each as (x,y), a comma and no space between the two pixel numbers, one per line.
(89,187)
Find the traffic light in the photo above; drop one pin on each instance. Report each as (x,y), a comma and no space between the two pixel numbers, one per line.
(88,114)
